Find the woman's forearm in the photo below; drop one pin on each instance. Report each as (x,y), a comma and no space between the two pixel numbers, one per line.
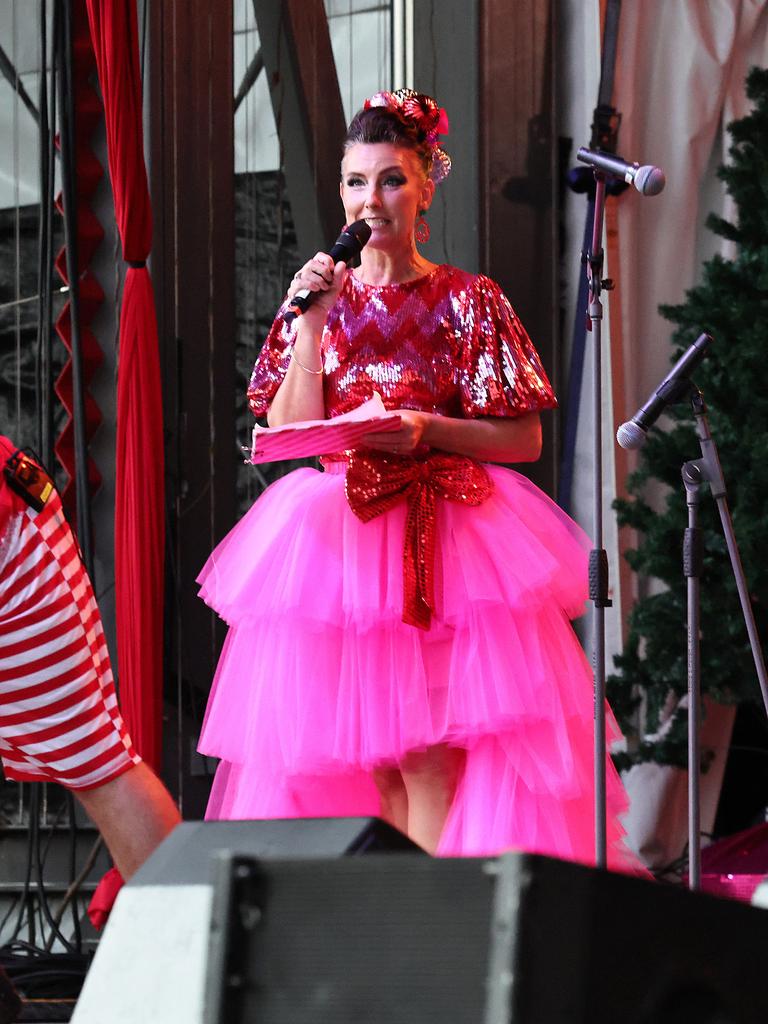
(300,396)
(490,439)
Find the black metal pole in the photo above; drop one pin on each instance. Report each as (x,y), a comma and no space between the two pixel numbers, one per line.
(598,559)
(45,248)
(65,80)
(692,567)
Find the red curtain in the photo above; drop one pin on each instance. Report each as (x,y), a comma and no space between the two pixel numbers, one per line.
(139,499)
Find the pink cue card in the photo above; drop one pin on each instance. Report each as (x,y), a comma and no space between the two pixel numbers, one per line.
(321,437)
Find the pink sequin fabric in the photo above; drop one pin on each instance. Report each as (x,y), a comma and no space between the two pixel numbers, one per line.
(447,343)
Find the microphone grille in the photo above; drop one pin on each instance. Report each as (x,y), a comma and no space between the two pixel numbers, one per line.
(631,436)
(649,181)
(360,231)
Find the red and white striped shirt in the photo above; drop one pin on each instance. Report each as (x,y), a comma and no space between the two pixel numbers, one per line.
(59,717)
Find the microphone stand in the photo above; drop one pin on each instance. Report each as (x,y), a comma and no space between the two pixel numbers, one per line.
(598,558)
(707,469)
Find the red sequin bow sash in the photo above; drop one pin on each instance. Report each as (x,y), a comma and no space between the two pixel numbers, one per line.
(376,482)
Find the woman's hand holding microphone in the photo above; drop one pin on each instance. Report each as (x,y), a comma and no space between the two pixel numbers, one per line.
(321,276)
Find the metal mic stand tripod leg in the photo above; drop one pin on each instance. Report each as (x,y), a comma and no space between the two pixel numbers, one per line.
(707,469)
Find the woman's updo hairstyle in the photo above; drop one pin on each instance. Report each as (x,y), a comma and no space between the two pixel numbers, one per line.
(404,118)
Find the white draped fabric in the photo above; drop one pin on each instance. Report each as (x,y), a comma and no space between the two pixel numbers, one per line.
(679,81)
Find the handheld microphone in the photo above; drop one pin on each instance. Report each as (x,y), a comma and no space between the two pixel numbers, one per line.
(673,388)
(346,247)
(648,180)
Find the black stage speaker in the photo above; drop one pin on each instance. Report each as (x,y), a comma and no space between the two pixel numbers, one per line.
(186,855)
(514,940)
(150,966)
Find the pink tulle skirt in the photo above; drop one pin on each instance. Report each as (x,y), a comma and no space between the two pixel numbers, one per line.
(320,681)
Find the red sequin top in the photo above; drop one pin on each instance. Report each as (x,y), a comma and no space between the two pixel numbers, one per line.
(447,343)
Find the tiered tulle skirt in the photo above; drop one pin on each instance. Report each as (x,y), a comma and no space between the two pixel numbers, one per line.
(320,681)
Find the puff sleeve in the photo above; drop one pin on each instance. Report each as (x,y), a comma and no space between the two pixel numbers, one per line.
(501,373)
(272,364)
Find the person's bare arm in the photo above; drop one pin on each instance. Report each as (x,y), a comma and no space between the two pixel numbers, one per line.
(300,396)
(489,439)
(134,813)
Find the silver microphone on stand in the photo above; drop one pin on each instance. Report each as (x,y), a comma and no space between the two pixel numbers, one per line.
(676,384)
(648,180)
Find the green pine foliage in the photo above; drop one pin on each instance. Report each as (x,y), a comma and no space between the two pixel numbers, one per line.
(731,303)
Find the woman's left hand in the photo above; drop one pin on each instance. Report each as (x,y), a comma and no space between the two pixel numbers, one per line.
(404,440)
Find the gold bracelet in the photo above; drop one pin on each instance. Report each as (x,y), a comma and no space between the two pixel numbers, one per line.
(301,365)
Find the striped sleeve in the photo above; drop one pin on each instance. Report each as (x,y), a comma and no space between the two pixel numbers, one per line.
(59,717)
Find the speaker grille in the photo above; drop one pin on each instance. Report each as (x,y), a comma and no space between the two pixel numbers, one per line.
(314,946)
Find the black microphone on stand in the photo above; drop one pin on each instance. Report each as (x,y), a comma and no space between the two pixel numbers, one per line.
(346,247)
(648,180)
(634,432)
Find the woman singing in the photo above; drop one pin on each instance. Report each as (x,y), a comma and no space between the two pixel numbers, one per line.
(399,638)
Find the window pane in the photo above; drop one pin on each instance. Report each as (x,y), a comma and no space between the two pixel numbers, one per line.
(266,254)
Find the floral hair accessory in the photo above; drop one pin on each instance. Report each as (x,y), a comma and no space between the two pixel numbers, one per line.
(430,119)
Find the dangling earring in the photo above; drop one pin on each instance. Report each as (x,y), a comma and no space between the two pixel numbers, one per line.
(421,232)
